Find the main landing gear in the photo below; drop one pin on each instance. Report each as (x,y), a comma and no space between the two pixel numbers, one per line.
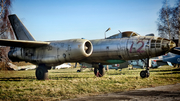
(145,73)
(99,72)
(42,72)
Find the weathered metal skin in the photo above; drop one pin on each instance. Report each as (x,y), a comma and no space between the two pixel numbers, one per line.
(55,53)
(114,51)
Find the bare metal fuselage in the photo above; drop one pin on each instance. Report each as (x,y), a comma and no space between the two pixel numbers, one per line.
(113,51)
(105,51)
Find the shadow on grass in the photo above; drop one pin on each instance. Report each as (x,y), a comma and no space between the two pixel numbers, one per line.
(165,70)
(65,77)
(17,78)
(31,78)
(168,73)
(59,72)
(72,72)
(116,73)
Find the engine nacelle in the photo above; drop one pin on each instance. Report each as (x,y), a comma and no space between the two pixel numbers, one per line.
(68,50)
(56,52)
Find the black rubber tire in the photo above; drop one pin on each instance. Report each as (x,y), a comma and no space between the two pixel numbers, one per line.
(42,73)
(100,71)
(143,74)
(95,71)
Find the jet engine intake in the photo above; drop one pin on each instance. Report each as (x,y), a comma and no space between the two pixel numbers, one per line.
(88,48)
(78,49)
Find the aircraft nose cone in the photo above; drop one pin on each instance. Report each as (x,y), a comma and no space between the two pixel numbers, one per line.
(167,45)
(161,46)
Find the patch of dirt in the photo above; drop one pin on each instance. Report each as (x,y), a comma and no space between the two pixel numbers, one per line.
(160,93)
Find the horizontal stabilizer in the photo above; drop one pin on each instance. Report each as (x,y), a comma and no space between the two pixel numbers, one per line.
(22,43)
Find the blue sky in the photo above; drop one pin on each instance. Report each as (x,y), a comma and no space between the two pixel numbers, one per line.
(69,19)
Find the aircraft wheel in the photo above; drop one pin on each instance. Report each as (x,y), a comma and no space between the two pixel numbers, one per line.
(144,74)
(100,71)
(95,71)
(42,73)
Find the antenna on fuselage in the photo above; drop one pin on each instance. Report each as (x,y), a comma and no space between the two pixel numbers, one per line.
(106,31)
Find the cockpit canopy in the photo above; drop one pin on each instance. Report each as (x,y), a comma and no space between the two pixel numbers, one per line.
(126,34)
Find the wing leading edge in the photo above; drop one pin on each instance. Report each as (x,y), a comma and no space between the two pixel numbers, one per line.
(22,43)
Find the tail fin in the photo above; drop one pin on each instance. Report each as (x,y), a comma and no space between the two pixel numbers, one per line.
(19,29)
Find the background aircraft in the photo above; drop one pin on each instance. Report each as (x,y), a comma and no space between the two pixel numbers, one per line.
(173,58)
(63,66)
(153,63)
(115,49)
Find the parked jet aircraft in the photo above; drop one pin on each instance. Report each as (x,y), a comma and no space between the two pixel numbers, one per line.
(173,58)
(112,50)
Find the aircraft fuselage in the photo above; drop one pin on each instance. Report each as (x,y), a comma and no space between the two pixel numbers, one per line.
(105,51)
(114,51)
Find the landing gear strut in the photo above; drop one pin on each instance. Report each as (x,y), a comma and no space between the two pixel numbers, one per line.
(42,72)
(145,73)
(81,69)
(99,72)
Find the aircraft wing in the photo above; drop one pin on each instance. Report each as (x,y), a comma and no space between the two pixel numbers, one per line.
(22,43)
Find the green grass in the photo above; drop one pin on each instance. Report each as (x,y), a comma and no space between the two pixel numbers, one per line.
(67,83)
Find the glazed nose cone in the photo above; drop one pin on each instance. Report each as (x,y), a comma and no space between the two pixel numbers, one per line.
(167,45)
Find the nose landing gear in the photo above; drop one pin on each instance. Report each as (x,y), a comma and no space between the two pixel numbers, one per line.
(145,73)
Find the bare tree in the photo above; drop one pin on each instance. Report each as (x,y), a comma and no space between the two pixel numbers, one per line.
(5,29)
(164,25)
(179,22)
(169,22)
(176,20)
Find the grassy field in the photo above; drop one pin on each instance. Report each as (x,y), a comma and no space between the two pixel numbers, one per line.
(67,83)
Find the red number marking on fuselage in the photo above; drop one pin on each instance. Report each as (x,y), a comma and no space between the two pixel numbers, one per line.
(139,49)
